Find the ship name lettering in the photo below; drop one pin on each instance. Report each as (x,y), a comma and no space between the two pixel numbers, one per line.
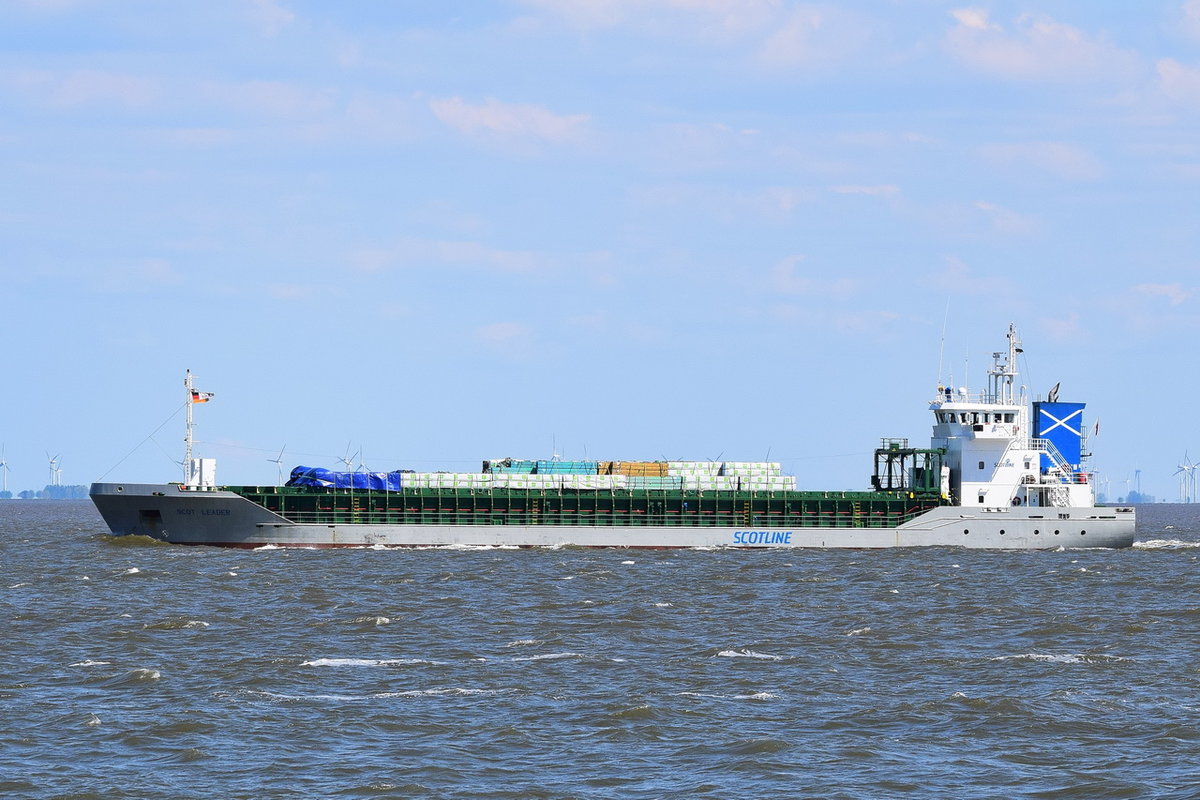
(762,537)
(185,511)
(215,512)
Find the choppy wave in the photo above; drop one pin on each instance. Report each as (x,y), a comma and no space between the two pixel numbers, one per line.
(176,624)
(1166,544)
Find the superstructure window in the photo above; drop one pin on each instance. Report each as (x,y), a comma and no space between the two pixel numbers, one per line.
(981,466)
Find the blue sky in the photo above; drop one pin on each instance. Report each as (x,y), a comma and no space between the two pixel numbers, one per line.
(688,229)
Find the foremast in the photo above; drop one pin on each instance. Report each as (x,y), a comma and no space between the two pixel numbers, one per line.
(197,472)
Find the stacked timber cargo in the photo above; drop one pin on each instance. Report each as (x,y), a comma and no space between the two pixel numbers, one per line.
(510,473)
(758,476)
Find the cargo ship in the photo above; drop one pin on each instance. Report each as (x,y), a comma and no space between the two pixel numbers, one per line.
(1000,472)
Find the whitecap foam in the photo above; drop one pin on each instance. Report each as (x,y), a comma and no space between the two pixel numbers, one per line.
(453,690)
(131,571)
(90,663)
(379,620)
(548,657)
(628,562)
(267,547)
(523,642)
(1062,658)
(859,631)
(745,653)
(663,605)
(93,721)
(341,698)
(1166,544)
(368,662)
(706,696)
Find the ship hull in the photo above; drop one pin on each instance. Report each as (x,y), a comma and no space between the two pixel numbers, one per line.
(225,519)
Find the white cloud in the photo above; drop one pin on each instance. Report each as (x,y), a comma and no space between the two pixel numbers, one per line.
(502,331)
(885,190)
(785,278)
(300,292)
(147,275)
(1035,48)
(777,34)
(1173,292)
(274,98)
(712,16)
(84,87)
(812,36)
(1191,18)
(1178,82)
(510,339)
(1004,220)
(271,16)
(975,18)
(426,252)
(509,120)
(1068,329)
(1057,158)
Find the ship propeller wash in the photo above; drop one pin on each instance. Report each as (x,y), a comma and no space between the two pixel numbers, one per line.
(1000,472)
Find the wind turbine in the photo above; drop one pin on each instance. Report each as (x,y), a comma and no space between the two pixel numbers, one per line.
(1191,475)
(1187,479)
(4,470)
(348,459)
(54,470)
(278,461)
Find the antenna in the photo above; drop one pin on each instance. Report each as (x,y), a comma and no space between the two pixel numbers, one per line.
(942,344)
(278,460)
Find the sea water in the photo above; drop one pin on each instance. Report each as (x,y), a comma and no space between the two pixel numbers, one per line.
(132,669)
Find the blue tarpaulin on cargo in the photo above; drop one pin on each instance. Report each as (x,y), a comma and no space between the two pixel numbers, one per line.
(319,476)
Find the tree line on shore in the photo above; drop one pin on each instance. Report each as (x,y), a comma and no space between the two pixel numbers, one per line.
(76,492)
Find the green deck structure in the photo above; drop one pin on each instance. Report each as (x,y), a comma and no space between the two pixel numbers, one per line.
(617,508)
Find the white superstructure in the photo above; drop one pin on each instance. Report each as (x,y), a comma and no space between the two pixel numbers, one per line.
(992,455)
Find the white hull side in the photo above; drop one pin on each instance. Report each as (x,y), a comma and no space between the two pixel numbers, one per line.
(229,520)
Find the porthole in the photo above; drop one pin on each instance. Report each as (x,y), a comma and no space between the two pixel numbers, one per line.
(1056,533)
(1036,532)
(965,531)
(1002,531)
(1083,533)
